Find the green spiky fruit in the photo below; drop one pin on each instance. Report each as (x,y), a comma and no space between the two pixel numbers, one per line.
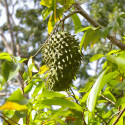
(61,55)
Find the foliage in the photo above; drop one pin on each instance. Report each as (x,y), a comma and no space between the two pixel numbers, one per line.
(99,99)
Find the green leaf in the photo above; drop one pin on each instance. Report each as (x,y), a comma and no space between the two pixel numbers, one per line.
(121,63)
(61,102)
(121,21)
(46,12)
(38,88)
(47,3)
(117,85)
(111,58)
(9,70)
(66,3)
(96,57)
(18,97)
(51,94)
(77,23)
(28,88)
(91,100)
(120,102)
(91,35)
(31,65)
(5,56)
(108,77)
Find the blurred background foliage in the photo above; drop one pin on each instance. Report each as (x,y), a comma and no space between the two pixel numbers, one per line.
(30,31)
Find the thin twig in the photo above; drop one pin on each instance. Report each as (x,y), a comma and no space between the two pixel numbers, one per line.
(108,99)
(22,81)
(112,117)
(5,120)
(101,117)
(11,119)
(56,26)
(74,96)
(119,116)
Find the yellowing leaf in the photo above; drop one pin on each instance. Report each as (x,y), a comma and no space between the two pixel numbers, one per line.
(47,3)
(50,24)
(13,106)
(43,69)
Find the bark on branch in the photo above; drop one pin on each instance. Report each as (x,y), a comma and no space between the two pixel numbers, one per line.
(10,28)
(113,40)
(5,42)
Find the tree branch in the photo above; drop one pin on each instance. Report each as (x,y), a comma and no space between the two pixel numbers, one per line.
(4,94)
(119,116)
(10,28)
(113,40)
(5,42)
(101,117)
(108,99)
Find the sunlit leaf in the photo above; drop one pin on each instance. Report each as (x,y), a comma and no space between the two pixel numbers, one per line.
(117,85)
(9,70)
(61,102)
(5,56)
(43,69)
(120,102)
(28,88)
(91,100)
(47,3)
(66,3)
(46,12)
(13,106)
(51,94)
(96,57)
(50,24)
(31,65)
(77,23)
(18,97)
(38,88)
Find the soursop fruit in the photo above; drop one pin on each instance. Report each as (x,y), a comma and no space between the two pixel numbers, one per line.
(61,55)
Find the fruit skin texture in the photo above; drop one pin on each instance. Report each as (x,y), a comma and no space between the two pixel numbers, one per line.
(61,55)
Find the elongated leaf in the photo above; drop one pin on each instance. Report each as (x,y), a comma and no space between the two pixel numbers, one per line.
(31,65)
(46,12)
(38,88)
(9,70)
(5,56)
(77,23)
(120,102)
(13,106)
(50,24)
(96,57)
(18,97)
(28,88)
(117,84)
(91,100)
(121,63)
(43,69)
(51,94)
(61,102)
